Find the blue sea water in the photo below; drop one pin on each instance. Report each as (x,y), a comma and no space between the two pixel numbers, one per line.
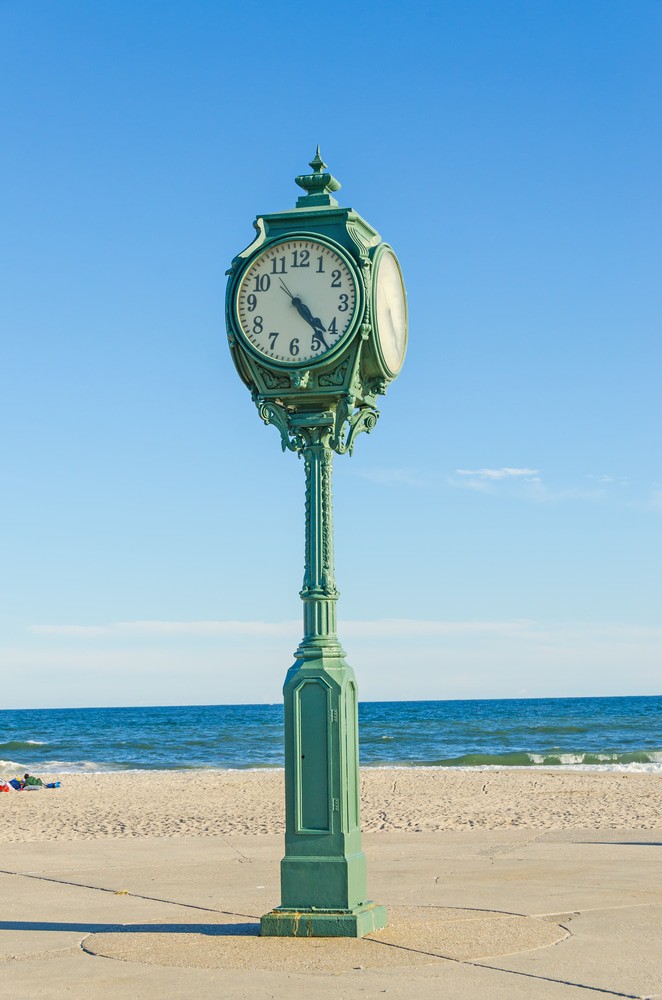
(613,733)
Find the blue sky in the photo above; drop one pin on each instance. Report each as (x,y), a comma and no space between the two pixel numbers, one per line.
(498,534)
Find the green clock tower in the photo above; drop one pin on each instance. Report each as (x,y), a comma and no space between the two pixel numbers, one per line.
(316,315)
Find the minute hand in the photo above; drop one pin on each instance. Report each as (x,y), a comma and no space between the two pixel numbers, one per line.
(313,321)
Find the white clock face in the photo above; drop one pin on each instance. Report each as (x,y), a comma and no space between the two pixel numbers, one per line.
(391,309)
(296,301)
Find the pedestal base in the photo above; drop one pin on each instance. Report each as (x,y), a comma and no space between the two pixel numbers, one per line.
(353,923)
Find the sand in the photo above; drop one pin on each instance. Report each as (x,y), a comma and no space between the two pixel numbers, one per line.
(412,800)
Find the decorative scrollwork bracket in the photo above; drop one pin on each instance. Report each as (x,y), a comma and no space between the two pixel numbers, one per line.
(273,413)
(350,422)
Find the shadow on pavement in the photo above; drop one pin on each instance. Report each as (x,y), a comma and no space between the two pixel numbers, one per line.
(227,930)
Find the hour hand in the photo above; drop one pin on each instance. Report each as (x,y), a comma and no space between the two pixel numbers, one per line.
(304,311)
(314,321)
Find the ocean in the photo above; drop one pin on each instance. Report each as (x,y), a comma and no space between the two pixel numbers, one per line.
(587,733)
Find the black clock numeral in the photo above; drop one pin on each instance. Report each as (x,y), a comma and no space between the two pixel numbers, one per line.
(262,282)
(273,337)
(344,303)
(320,266)
(294,346)
(251,302)
(258,324)
(336,279)
(300,258)
(315,344)
(278,265)
(332,328)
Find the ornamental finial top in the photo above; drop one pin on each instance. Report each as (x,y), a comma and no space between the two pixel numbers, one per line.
(318,185)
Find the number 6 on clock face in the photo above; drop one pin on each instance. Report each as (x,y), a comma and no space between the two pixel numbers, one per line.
(296,301)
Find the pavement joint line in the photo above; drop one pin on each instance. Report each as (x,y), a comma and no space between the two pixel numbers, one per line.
(597,909)
(478,964)
(133,895)
(466,961)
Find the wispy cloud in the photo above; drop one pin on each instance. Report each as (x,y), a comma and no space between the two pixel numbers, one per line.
(605,480)
(379,628)
(457,659)
(163,629)
(488,480)
(503,473)
(528,484)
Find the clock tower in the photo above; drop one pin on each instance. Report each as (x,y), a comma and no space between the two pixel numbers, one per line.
(316,316)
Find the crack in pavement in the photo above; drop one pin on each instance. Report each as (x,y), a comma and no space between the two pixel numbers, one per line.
(134,895)
(477,964)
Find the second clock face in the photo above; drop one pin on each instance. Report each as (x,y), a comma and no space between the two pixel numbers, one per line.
(296,301)
(391,311)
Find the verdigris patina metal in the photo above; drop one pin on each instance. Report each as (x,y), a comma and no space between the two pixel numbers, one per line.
(316,317)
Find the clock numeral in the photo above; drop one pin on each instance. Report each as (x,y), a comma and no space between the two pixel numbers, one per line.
(315,344)
(273,337)
(344,303)
(262,282)
(278,265)
(336,279)
(258,324)
(251,302)
(320,266)
(300,258)
(332,328)
(294,344)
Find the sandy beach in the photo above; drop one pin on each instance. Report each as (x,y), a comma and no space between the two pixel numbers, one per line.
(411,800)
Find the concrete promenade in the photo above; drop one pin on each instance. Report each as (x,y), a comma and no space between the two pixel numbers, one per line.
(509,914)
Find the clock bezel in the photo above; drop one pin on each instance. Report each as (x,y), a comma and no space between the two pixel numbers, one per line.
(359,301)
(382,249)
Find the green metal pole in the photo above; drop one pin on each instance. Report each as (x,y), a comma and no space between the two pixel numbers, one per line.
(323,873)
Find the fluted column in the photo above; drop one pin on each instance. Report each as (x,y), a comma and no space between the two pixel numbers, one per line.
(319,593)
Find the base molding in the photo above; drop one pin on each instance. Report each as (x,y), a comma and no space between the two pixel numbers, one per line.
(355,923)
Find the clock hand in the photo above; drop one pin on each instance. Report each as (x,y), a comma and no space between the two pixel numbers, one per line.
(306,314)
(314,321)
(304,311)
(319,333)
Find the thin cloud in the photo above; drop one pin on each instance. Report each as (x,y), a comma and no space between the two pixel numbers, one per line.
(606,480)
(489,480)
(505,472)
(163,629)
(527,484)
(387,627)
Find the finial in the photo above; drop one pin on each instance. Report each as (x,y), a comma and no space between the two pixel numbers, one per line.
(317,163)
(318,185)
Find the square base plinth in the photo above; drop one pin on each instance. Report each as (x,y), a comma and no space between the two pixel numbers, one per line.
(354,923)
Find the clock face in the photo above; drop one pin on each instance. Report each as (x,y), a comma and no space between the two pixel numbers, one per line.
(296,301)
(391,311)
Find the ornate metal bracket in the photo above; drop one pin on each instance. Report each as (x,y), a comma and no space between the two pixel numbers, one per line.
(350,422)
(273,413)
